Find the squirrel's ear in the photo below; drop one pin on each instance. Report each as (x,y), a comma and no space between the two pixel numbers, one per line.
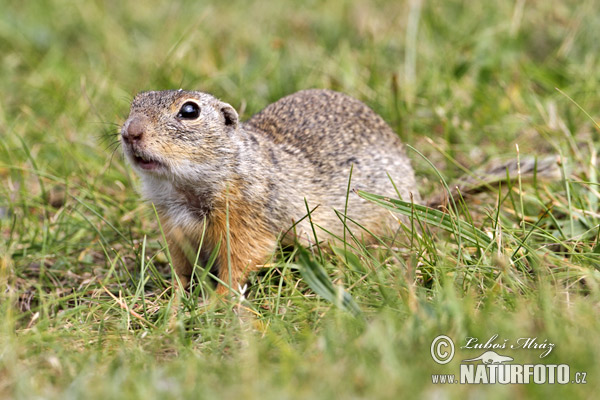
(230,115)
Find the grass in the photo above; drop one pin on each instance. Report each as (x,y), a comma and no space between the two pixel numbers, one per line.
(86,305)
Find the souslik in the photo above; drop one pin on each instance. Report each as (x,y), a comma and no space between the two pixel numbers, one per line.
(207,173)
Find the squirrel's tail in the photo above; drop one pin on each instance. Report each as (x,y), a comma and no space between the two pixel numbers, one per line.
(546,168)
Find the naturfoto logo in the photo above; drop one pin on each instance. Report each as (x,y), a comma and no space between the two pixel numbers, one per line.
(490,357)
(492,366)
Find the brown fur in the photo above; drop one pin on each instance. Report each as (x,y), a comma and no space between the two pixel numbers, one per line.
(213,171)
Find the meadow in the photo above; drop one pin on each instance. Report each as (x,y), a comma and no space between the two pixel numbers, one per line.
(87,309)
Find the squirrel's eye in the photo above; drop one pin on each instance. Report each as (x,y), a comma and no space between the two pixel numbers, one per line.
(189,110)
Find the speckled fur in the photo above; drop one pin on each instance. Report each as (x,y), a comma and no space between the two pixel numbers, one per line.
(256,175)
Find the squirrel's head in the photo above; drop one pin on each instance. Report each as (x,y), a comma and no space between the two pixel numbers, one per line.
(179,134)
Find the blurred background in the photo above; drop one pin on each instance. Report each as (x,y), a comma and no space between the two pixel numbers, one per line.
(472,76)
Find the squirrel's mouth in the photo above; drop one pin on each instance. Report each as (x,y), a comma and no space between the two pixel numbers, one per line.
(146,163)
(143,160)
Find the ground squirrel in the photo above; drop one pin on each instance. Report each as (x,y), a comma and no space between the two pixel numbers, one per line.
(238,187)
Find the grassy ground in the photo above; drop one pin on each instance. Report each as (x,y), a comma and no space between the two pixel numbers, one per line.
(85,302)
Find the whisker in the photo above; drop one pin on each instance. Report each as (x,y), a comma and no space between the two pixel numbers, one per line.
(113,145)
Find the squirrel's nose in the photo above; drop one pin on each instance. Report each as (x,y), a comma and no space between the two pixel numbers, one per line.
(133,131)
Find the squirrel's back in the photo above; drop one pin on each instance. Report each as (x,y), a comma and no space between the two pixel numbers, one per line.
(334,131)
(325,125)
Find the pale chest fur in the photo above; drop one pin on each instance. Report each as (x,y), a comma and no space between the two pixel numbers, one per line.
(227,220)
